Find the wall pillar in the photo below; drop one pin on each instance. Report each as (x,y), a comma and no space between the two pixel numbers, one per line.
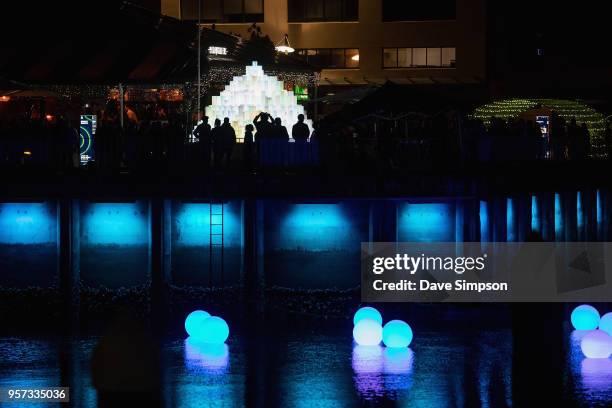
(253,256)
(69,235)
(159,248)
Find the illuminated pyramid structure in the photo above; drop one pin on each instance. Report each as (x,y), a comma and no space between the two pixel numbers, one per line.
(248,95)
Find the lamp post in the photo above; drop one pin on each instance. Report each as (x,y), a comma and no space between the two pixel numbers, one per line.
(199,59)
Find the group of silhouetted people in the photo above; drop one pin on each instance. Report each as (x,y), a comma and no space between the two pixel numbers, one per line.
(217,142)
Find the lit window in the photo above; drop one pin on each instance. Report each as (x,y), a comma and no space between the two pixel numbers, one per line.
(448,57)
(390,57)
(404,57)
(323,10)
(419,57)
(331,58)
(434,57)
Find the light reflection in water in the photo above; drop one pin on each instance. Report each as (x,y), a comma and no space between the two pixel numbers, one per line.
(592,376)
(200,356)
(381,372)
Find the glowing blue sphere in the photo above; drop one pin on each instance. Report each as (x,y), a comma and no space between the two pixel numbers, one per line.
(397,333)
(596,344)
(367,313)
(214,330)
(367,332)
(193,322)
(585,317)
(605,323)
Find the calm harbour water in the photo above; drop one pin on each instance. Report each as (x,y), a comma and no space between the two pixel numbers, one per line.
(312,369)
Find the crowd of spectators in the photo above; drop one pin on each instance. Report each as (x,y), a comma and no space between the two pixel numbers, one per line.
(163,141)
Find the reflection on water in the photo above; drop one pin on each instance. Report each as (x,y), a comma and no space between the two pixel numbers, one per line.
(440,369)
(212,358)
(381,372)
(591,377)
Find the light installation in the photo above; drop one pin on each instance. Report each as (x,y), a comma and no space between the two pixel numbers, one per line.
(397,333)
(248,95)
(596,344)
(193,322)
(426,222)
(367,313)
(585,317)
(605,323)
(567,109)
(115,224)
(368,332)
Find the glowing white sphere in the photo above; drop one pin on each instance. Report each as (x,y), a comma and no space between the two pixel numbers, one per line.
(214,330)
(367,313)
(397,333)
(585,317)
(605,323)
(596,344)
(194,321)
(368,332)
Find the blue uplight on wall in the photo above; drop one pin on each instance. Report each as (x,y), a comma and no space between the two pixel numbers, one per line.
(318,227)
(27,223)
(599,208)
(114,224)
(193,221)
(558,216)
(535,215)
(510,221)
(430,222)
(579,210)
(484,221)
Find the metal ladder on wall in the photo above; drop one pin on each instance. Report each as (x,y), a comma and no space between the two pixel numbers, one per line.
(216,241)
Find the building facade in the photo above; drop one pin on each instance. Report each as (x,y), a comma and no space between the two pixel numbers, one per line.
(360,42)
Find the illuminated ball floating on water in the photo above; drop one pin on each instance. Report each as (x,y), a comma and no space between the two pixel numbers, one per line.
(367,313)
(397,333)
(193,322)
(585,317)
(368,332)
(214,330)
(605,323)
(596,344)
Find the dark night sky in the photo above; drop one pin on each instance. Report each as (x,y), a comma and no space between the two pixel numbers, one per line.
(574,36)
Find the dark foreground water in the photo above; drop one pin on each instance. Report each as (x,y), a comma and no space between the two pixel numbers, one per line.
(321,368)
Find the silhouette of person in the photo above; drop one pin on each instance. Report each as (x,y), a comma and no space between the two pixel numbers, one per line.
(249,146)
(217,142)
(228,141)
(263,123)
(203,133)
(300,131)
(280,132)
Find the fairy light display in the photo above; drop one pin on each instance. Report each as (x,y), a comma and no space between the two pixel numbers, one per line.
(567,109)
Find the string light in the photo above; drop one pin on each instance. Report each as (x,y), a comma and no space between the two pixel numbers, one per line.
(567,109)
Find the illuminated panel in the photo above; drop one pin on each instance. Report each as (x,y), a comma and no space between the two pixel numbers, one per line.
(115,224)
(535,214)
(579,210)
(426,223)
(318,227)
(193,224)
(484,222)
(248,95)
(558,216)
(27,223)
(510,217)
